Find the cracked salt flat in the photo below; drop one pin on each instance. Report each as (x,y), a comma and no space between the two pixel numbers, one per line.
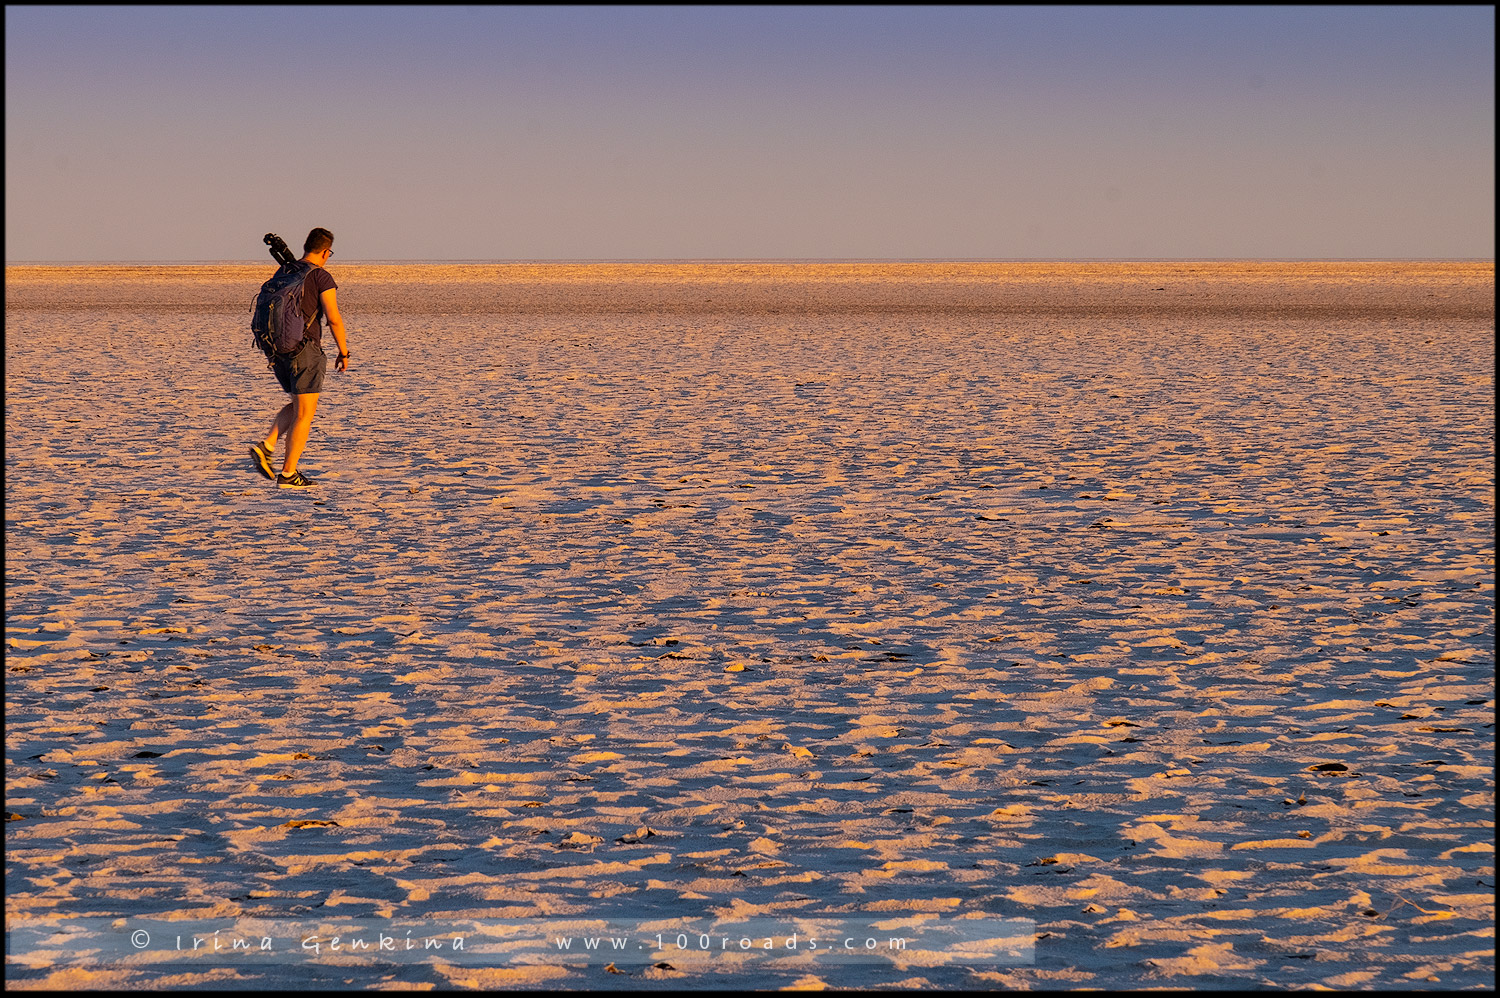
(1166,623)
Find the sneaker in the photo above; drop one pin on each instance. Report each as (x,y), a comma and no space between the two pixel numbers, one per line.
(296,480)
(262,461)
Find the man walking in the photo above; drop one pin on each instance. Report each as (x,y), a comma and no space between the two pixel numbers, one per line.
(301,372)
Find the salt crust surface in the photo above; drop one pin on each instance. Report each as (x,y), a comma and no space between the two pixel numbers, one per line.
(1150,602)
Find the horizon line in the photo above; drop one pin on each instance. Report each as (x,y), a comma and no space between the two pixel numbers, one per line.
(572,261)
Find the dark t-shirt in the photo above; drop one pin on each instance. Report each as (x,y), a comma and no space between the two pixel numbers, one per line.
(314,284)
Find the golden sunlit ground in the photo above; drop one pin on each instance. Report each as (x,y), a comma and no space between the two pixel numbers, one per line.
(1149,602)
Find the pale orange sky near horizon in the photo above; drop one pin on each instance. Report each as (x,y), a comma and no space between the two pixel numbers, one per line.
(184,134)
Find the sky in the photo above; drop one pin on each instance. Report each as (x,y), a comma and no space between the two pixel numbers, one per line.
(183,134)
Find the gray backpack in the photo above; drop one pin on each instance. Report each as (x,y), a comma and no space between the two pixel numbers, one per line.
(276,321)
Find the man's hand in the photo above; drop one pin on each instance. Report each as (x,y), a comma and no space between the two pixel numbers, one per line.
(330,302)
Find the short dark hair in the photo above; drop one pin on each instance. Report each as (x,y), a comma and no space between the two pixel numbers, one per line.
(317,241)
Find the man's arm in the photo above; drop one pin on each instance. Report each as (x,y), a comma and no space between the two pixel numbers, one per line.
(336,325)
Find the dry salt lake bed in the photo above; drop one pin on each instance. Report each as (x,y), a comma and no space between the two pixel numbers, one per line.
(1148,607)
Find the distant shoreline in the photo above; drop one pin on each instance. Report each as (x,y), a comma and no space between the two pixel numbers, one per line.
(1381,290)
(750,261)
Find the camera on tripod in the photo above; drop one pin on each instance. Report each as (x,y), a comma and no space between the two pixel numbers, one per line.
(279,250)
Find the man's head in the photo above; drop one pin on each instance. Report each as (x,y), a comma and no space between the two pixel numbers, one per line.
(317,241)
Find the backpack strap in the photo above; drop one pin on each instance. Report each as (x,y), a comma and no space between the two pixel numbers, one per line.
(307,324)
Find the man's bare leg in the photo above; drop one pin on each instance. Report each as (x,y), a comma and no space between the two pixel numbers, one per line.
(282,424)
(306,407)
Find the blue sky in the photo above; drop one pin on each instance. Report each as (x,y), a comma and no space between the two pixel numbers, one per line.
(492,133)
